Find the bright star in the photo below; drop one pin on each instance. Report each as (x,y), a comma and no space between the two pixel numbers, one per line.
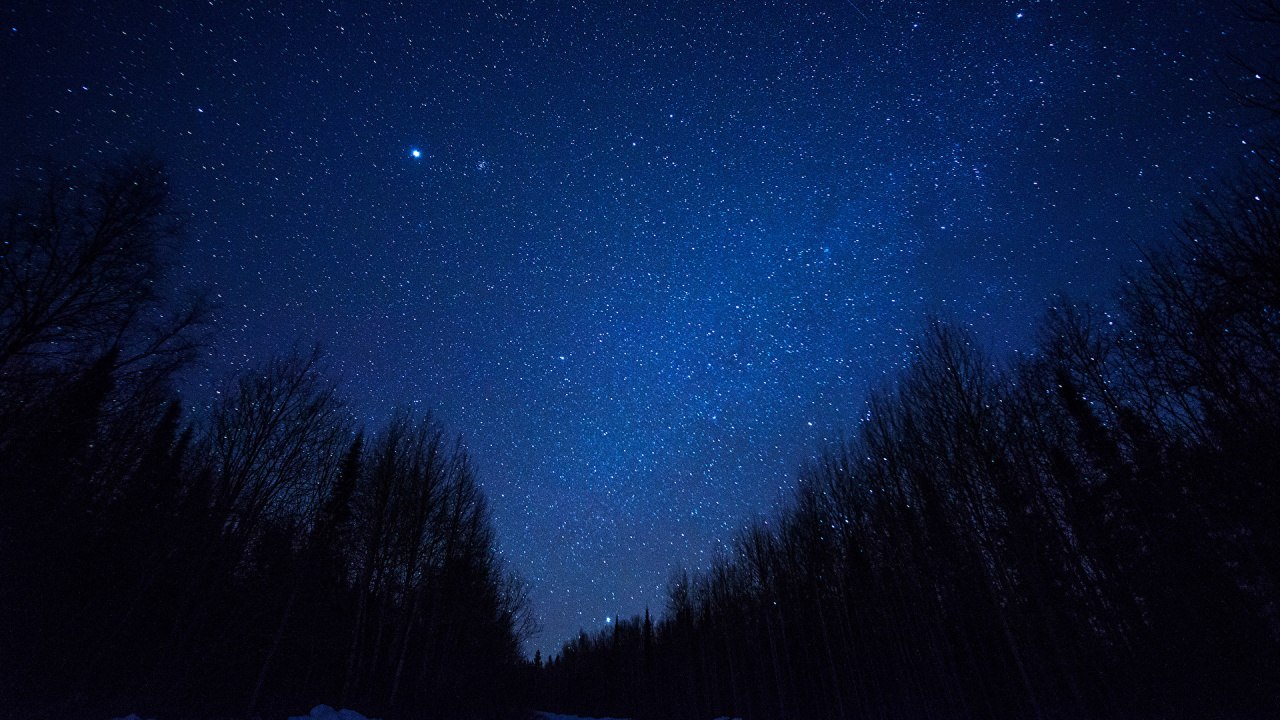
(416,153)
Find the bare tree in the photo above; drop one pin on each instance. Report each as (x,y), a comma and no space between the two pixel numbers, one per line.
(80,260)
(277,438)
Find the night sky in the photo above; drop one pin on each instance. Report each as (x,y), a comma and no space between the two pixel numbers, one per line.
(645,257)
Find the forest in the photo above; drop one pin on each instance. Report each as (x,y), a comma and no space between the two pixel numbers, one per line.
(241,562)
(1089,528)
(1086,529)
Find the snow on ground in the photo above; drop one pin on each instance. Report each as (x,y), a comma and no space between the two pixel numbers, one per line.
(324,712)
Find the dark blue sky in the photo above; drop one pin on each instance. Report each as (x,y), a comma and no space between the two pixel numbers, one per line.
(647,257)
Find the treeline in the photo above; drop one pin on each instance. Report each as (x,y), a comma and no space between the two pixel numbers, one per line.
(251,560)
(1091,529)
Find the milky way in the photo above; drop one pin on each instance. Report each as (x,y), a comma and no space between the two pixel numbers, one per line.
(646,258)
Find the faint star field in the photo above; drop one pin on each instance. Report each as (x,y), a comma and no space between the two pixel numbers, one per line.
(646,258)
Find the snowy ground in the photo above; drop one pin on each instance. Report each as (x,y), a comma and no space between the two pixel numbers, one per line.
(324,712)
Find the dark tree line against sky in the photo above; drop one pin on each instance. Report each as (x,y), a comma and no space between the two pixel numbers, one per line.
(252,559)
(1086,530)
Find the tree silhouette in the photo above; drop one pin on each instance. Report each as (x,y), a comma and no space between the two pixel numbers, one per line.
(259,554)
(1083,531)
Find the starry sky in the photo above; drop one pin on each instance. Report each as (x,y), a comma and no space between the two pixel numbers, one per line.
(646,257)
